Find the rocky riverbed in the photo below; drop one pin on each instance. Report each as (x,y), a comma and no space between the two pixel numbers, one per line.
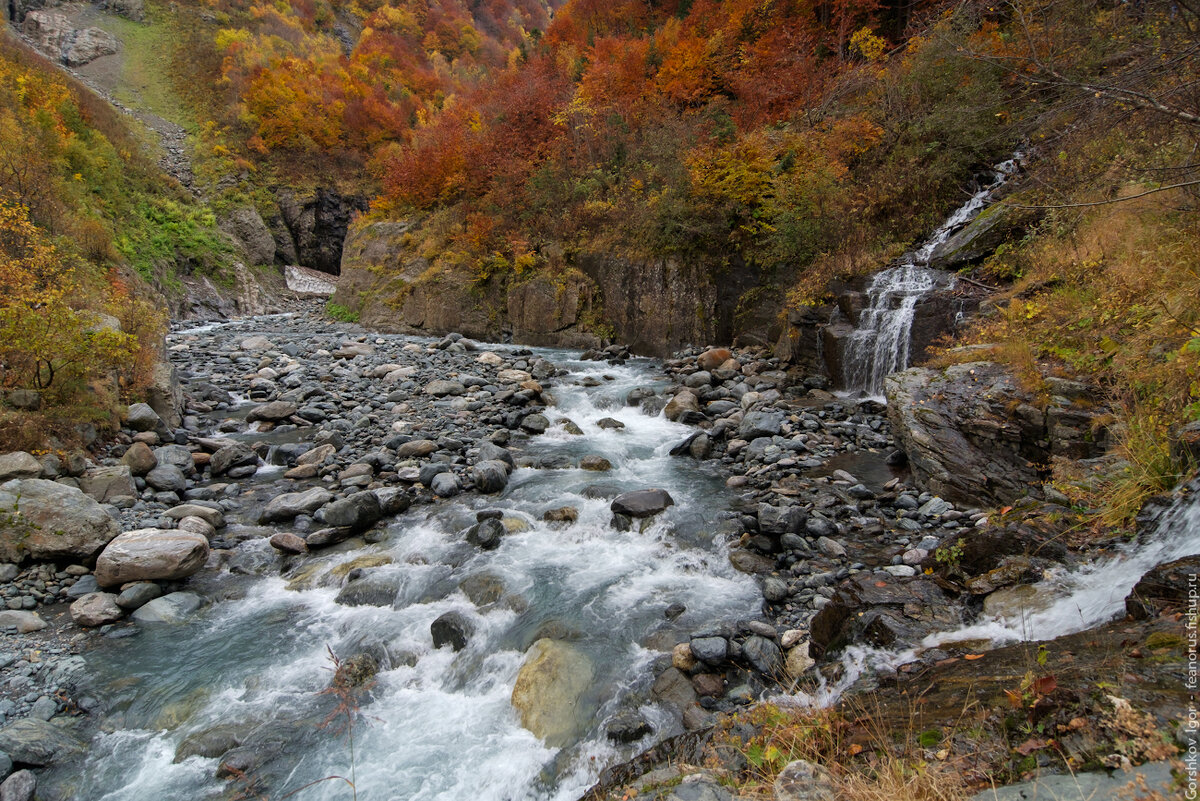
(550,559)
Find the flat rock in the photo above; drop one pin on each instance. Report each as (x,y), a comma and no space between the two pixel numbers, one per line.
(96,609)
(39,743)
(57,523)
(173,608)
(19,464)
(641,503)
(151,554)
(25,622)
(289,505)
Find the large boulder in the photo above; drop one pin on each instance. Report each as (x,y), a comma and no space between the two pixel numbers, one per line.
(106,483)
(549,688)
(973,436)
(552,310)
(39,743)
(96,609)
(44,521)
(291,504)
(151,554)
(357,511)
(490,476)
(19,464)
(246,226)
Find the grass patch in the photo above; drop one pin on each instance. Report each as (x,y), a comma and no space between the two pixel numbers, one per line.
(341,313)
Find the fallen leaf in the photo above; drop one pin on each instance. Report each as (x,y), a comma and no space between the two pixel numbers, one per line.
(972,657)
(1029,746)
(945,752)
(1044,685)
(855,749)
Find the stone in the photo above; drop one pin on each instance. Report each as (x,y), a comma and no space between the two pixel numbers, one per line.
(535,424)
(700,787)
(215,518)
(760,424)
(96,609)
(453,629)
(626,727)
(235,454)
(375,588)
(596,463)
(549,688)
(442,387)
(355,512)
(882,610)
(172,608)
(20,786)
(682,657)
(490,476)
(271,412)
(288,543)
(680,405)
(714,358)
(763,655)
(289,505)
(416,448)
(246,225)
(256,343)
(641,503)
(26,622)
(19,464)
(713,650)
(140,459)
(39,743)
(56,523)
(563,514)
(316,456)
(167,478)
(486,534)
(1164,588)
(445,485)
(698,380)
(802,780)
(151,554)
(106,483)
(137,595)
(141,417)
(798,661)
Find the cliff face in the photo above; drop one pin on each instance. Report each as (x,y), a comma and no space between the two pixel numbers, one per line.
(653,305)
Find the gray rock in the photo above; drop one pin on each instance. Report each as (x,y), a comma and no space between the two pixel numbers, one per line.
(356,512)
(490,476)
(683,403)
(713,650)
(20,786)
(489,451)
(803,781)
(486,534)
(167,478)
(213,517)
(376,588)
(173,608)
(417,447)
(641,503)
(1090,786)
(143,418)
(289,505)
(628,727)
(272,412)
(535,424)
(44,708)
(19,464)
(151,554)
(106,483)
(760,424)
(700,787)
(83,586)
(39,743)
(138,595)
(25,622)
(96,609)
(442,387)
(763,655)
(246,225)
(445,485)
(288,543)
(57,523)
(236,454)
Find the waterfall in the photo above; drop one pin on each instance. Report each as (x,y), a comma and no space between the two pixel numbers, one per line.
(882,336)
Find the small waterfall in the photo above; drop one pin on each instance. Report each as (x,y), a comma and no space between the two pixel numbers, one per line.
(882,337)
(1065,602)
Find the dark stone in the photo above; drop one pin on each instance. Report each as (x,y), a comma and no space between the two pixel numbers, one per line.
(356,512)
(628,727)
(881,610)
(486,534)
(1164,588)
(713,650)
(763,655)
(451,629)
(641,503)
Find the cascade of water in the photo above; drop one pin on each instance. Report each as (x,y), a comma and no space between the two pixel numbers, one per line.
(1064,603)
(882,337)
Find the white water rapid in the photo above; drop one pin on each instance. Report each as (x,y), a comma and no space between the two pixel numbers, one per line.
(882,337)
(438,725)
